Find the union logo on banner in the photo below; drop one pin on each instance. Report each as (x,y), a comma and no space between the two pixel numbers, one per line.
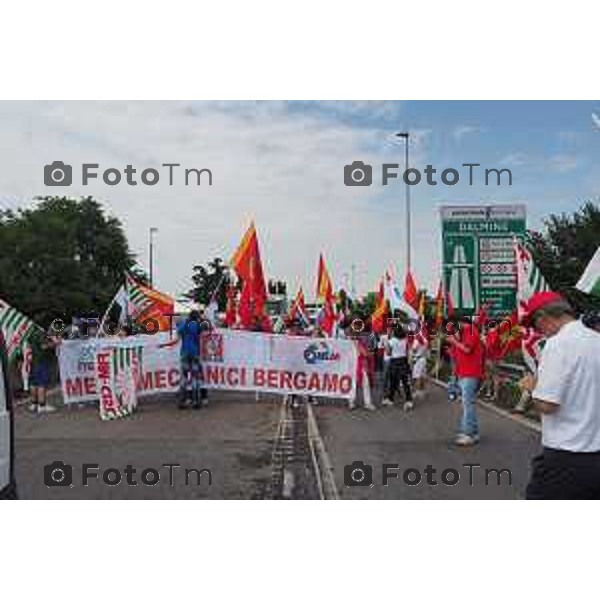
(212,347)
(319,352)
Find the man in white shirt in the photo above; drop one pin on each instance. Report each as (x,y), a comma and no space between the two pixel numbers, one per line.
(567,393)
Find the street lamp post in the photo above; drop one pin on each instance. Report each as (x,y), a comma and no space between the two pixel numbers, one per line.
(405,135)
(152,231)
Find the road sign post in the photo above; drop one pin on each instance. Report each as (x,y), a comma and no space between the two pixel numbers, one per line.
(478,260)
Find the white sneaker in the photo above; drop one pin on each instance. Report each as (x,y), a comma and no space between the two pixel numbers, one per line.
(462,439)
(46,408)
(370,407)
(32,407)
(408,406)
(387,402)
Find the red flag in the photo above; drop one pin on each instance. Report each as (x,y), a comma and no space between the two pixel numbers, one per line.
(482,318)
(246,307)
(411,294)
(326,318)
(298,309)
(449,305)
(248,266)
(493,345)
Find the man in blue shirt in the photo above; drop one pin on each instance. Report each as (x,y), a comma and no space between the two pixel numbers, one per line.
(188,333)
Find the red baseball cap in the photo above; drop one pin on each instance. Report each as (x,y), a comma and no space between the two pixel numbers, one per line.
(536,302)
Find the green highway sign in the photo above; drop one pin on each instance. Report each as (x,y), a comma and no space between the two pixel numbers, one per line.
(478,260)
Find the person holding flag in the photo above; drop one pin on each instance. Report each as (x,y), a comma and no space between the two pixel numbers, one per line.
(188,335)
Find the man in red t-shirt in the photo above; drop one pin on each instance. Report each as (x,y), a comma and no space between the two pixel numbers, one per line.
(468,354)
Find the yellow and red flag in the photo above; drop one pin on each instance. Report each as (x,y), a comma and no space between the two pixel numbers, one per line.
(421,311)
(326,317)
(439,306)
(378,317)
(247,264)
(324,285)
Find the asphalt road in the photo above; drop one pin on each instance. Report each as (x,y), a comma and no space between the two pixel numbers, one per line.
(232,438)
(424,437)
(232,441)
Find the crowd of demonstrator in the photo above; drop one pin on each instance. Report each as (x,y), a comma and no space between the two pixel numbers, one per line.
(565,390)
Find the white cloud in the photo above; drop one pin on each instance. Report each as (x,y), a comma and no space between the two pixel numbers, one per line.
(515,159)
(459,132)
(283,170)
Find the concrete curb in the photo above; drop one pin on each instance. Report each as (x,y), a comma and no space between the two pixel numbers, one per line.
(499,411)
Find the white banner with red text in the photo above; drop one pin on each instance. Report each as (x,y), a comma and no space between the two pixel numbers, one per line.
(230,360)
(117,378)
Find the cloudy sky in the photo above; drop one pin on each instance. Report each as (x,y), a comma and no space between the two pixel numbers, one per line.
(281,164)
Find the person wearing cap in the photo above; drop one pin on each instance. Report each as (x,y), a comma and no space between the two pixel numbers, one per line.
(567,394)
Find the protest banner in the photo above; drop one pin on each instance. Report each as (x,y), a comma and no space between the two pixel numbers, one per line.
(230,359)
(117,377)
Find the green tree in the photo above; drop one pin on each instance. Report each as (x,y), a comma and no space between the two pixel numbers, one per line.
(208,279)
(366,306)
(62,257)
(344,302)
(564,248)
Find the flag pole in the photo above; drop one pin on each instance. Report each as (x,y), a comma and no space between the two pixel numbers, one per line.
(112,303)
(216,290)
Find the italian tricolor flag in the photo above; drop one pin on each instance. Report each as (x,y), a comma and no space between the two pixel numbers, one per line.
(16,328)
(590,280)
